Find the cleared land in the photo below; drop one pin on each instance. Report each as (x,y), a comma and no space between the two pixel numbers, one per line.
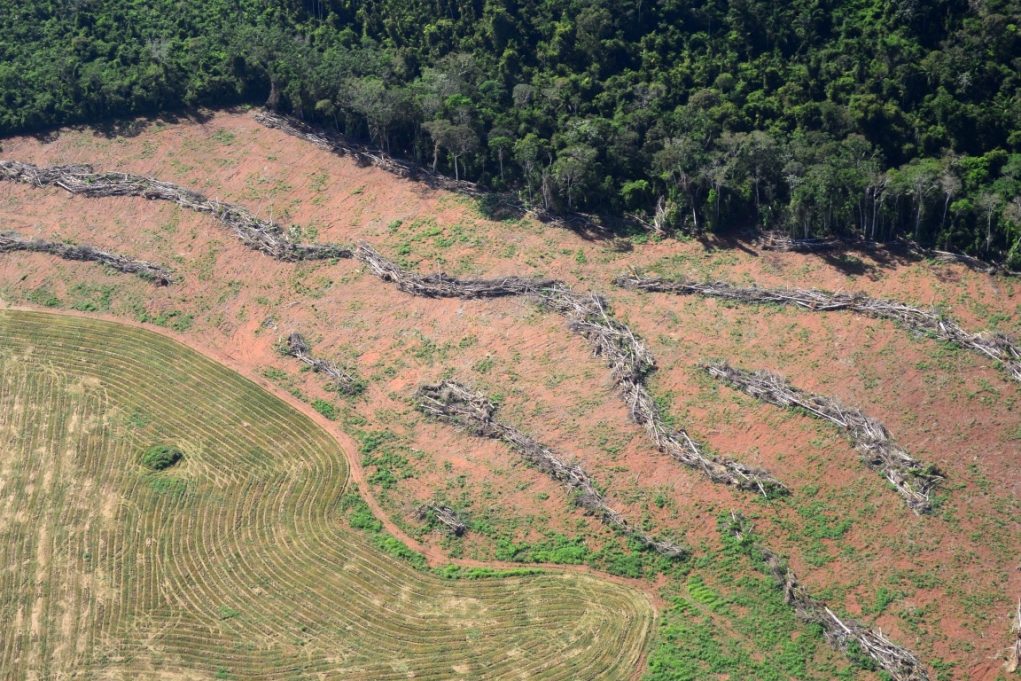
(944,585)
(237,562)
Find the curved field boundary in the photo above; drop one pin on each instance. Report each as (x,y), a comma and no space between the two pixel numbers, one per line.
(157,274)
(994,346)
(236,562)
(911,479)
(625,353)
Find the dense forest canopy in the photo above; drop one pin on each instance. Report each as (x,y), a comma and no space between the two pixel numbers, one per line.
(861,118)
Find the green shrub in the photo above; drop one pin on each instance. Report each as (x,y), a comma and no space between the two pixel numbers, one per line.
(325,408)
(159,457)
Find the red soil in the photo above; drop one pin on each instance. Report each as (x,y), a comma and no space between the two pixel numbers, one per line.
(957,570)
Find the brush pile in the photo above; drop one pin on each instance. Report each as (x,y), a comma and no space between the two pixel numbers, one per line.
(261,235)
(343,381)
(775,241)
(444,515)
(912,480)
(157,274)
(931,322)
(626,355)
(1014,652)
(442,286)
(843,634)
(460,406)
(630,362)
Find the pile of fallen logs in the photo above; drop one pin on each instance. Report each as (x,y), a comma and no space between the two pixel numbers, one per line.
(1014,652)
(443,286)
(262,235)
(842,634)
(912,480)
(471,411)
(444,515)
(587,315)
(343,381)
(995,346)
(630,362)
(776,241)
(157,274)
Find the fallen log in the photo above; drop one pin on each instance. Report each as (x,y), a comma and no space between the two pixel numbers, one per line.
(845,635)
(1014,652)
(261,235)
(157,274)
(471,411)
(626,355)
(343,381)
(775,241)
(914,481)
(996,346)
(444,515)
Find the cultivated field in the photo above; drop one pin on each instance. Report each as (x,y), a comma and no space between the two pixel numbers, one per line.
(239,562)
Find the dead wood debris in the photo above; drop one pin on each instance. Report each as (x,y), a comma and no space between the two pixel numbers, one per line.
(262,235)
(775,241)
(471,411)
(1014,652)
(157,274)
(630,362)
(587,315)
(343,381)
(845,635)
(912,480)
(444,515)
(625,354)
(443,286)
(995,346)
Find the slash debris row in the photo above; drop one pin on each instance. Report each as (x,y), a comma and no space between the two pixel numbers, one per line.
(261,235)
(343,381)
(157,274)
(843,634)
(626,354)
(775,241)
(913,480)
(471,411)
(996,346)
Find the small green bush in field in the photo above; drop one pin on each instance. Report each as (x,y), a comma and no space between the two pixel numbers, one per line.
(159,457)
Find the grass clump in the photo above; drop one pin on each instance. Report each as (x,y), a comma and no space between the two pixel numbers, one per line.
(161,456)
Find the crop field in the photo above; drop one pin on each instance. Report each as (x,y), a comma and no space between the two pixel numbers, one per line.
(238,561)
